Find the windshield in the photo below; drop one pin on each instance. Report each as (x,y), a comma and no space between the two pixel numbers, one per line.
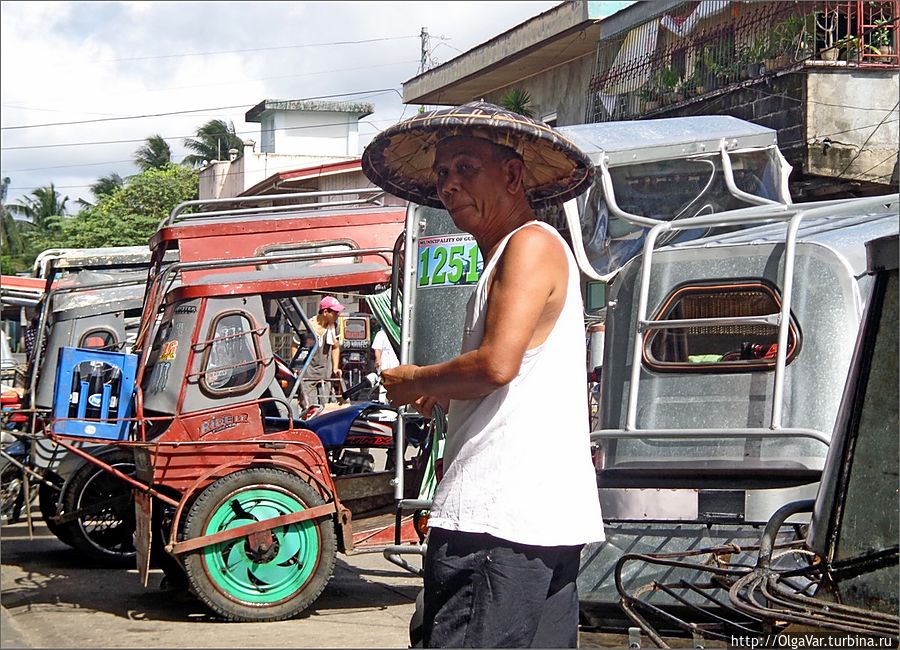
(666,190)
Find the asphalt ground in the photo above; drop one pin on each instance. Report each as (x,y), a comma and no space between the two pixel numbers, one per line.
(51,597)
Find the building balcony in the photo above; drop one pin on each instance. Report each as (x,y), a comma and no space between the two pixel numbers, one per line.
(651,68)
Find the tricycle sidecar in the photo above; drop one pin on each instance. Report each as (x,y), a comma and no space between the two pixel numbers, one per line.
(234,493)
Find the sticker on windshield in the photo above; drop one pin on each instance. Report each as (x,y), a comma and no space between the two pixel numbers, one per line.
(449,261)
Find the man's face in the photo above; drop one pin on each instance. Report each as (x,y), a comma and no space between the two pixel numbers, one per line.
(330,316)
(470,180)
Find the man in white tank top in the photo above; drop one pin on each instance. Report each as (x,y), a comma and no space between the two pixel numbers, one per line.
(518,498)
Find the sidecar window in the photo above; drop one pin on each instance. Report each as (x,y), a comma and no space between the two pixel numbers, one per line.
(719,347)
(231,363)
(98,339)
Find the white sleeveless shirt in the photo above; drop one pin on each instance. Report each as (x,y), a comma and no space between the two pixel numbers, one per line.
(517,462)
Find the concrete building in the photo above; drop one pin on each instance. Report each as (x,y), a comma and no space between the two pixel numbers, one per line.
(293,135)
(823,73)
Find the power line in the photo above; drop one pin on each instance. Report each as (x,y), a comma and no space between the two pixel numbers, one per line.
(292,128)
(863,145)
(183,112)
(39,169)
(878,164)
(284,76)
(253,49)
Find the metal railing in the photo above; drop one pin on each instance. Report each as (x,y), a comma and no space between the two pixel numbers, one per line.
(672,60)
(791,216)
(373,196)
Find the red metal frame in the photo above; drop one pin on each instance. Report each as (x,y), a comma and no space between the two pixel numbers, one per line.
(188,456)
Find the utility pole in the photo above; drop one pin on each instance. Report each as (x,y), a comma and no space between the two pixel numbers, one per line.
(423,65)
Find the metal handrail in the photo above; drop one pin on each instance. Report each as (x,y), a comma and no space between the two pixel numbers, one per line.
(770,319)
(793,214)
(683,434)
(406,309)
(643,323)
(176,212)
(156,292)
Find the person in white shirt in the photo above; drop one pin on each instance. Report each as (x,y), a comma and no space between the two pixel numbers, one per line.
(503,547)
(385,357)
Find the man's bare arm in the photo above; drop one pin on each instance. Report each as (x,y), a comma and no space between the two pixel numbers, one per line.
(526,296)
(336,358)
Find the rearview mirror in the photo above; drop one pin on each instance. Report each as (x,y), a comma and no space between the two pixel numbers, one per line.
(596,296)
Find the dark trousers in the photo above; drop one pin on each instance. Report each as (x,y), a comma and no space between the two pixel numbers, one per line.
(485,592)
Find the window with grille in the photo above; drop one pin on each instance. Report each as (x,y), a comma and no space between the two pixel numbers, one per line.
(232,361)
(98,339)
(718,348)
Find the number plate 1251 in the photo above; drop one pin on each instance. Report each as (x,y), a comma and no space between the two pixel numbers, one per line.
(449,261)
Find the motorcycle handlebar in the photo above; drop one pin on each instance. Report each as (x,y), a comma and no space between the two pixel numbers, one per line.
(368,382)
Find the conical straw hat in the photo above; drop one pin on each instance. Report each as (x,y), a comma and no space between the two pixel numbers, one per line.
(400,158)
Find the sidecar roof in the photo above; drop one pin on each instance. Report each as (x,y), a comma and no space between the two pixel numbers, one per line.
(287,279)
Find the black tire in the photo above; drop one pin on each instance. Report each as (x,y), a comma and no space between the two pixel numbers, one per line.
(416,623)
(48,497)
(12,493)
(174,577)
(244,584)
(104,530)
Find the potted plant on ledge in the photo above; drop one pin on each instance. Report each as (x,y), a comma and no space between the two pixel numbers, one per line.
(883,40)
(827,22)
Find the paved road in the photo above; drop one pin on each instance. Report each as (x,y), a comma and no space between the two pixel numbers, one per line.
(52,598)
(55,599)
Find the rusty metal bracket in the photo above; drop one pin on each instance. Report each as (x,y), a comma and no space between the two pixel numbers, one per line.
(248,529)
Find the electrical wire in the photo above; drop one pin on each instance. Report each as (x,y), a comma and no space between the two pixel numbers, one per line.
(863,145)
(187,111)
(253,49)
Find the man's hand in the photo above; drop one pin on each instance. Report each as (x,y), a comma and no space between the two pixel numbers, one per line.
(425,405)
(400,385)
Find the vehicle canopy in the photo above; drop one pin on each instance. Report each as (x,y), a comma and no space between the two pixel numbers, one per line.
(54,260)
(101,315)
(718,377)
(270,230)
(92,298)
(843,577)
(663,170)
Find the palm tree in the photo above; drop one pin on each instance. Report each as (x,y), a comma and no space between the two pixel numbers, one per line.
(10,238)
(213,141)
(43,209)
(518,101)
(155,154)
(107,185)
(103,187)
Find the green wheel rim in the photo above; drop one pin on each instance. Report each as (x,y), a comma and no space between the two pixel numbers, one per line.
(238,575)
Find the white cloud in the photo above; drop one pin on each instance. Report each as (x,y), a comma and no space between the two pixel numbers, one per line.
(70,61)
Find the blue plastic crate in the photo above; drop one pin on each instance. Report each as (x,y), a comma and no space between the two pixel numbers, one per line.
(93,384)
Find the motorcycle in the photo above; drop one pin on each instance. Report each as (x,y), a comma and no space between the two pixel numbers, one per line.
(102,506)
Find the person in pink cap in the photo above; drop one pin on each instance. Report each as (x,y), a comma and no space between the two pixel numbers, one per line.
(326,362)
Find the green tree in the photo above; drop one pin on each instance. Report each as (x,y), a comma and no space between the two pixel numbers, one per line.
(104,186)
(213,141)
(12,244)
(130,216)
(154,154)
(518,101)
(44,209)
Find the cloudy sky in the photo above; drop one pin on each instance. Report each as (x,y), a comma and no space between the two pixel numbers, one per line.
(68,62)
